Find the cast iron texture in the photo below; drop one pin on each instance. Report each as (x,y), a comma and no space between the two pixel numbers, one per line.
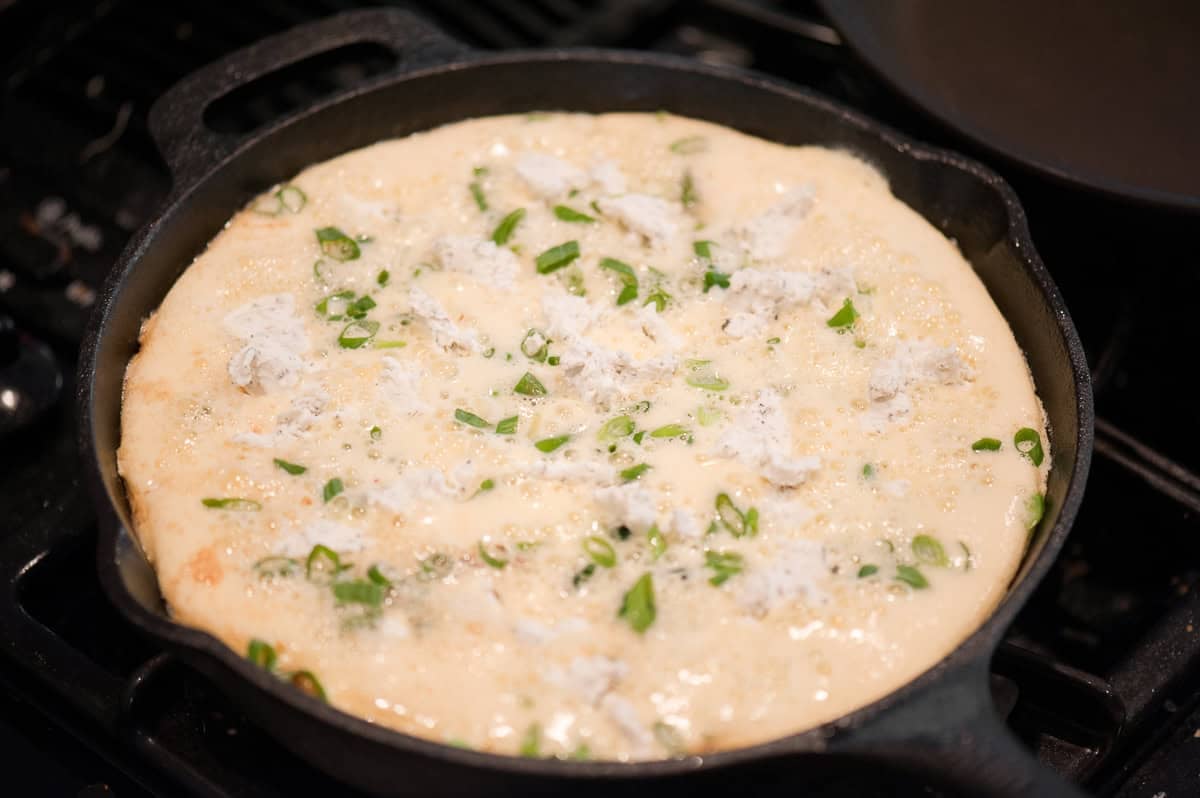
(942,724)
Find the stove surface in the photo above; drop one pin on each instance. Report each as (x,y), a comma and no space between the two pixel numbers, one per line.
(1098,676)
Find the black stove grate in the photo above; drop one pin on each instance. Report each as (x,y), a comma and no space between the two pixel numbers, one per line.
(1099,675)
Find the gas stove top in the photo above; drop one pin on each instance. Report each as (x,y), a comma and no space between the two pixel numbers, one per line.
(1098,676)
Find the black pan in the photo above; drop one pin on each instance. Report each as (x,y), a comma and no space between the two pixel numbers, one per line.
(943,723)
(1103,94)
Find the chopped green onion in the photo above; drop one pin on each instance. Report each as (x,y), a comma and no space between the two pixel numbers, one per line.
(601,551)
(574,280)
(493,558)
(634,472)
(581,753)
(659,297)
(704,376)
(504,230)
(713,277)
(480,171)
(291,198)
(436,566)
(845,317)
(389,344)
(357,333)
(928,550)
(383,277)
(507,426)
(275,566)
(337,245)
(291,468)
(531,743)
(637,605)
(670,431)
(773,341)
(234,504)
(1029,443)
(471,419)
(321,271)
(687,190)
(323,564)
(550,444)
(637,436)
(555,258)
(377,576)
(703,249)
(261,654)
(867,570)
(342,300)
(724,564)
(571,215)
(535,345)
(689,145)
(623,532)
(868,471)
(628,277)
(477,194)
(529,385)
(305,682)
(332,488)
(619,427)
(658,543)
(986,445)
(485,486)
(583,575)
(376,433)
(733,519)
(968,560)
(360,591)
(489,352)
(910,576)
(1036,508)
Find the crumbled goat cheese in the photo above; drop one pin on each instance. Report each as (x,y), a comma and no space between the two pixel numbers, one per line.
(600,375)
(474,597)
(761,438)
(912,363)
(782,512)
(653,218)
(291,424)
(548,176)
(622,713)
(683,525)
(571,471)
(656,328)
(342,538)
(588,678)
(414,485)
(760,296)
(399,384)
(629,504)
(446,333)
(896,487)
(491,265)
(535,632)
(766,236)
(569,316)
(395,626)
(795,570)
(274,340)
(608,176)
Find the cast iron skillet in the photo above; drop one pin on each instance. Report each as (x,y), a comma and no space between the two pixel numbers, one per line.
(943,723)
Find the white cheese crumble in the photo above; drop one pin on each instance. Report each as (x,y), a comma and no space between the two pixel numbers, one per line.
(766,236)
(342,538)
(548,176)
(759,296)
(274,340)
(399,384)
(534,632)
(588,678)
(653,218)
(570,471)
(608,176)
(491,265)
(795,570)
(292,424)
(761,438)
(414,485)
(912,363)
(623,713)
(684,525)
(599,375)
(629,504)
(446,333)
(656,328)
(569,316)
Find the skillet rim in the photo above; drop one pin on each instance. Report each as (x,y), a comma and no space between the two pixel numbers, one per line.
(977,646)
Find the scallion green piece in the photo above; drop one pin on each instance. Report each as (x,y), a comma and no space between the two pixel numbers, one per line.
(844,318)
(670,431)
(529,385)
(435,566)
(555,258)
(628,277)
(357,333)
(910,576)
(867,570)
(687,190)
(382,278)
(360,591)
(614,428)
(550,444)
(376,433)
(703,249)
(1029,443)
(702,375)
(376,575)
(634,472)
(495,557)
(659,298)
(507,426)
(531,743)
(478,195)
(583,575)
(291,468)
(337,245)
(1035,509)
(571,215)
(323,564)
(333,307)
(986,445)
(469,418)
(658,543)
(535,345)
(637,605)
(868,471)
(724,564)
(508,225)
(601,551)
(715,278)
(734,520)
(261,654)
(689,145)
(332,488)
(485,486)
(234,504)
(929,550)
(306,682)
(275,566)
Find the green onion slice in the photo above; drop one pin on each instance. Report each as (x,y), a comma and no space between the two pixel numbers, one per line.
(357,333)
(670,431)
(323,564)
(332,488)
(867,570)
(868,470)
(306,682)
(715,278)
(493,554)
(634,472)
(1035,509)
(291,468)
(233,504)
(929,550)
(601,551)
(383,277)
(583,575)
(376,433)
(550,444)
(508,225)
(531,743)
(571,215)
(659,297)
(912,577)
(657,541)
(337,245)
(687,190)
(986,445)
(637,605)
(469,418)
(436,566)
(738,523)
(529,385)
(261,654)
(703,375)
(360,591)
(535,345)
(555,258)
(703,249)
(478,195)
(1029,443)
(614,428)
(845,317)
(628,277)
(376,575)
(689,145)
(333,307)
(507,426)
(276,566)
(724,565)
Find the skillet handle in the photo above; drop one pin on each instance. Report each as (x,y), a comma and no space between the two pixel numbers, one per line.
(951,728)
(191,148)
